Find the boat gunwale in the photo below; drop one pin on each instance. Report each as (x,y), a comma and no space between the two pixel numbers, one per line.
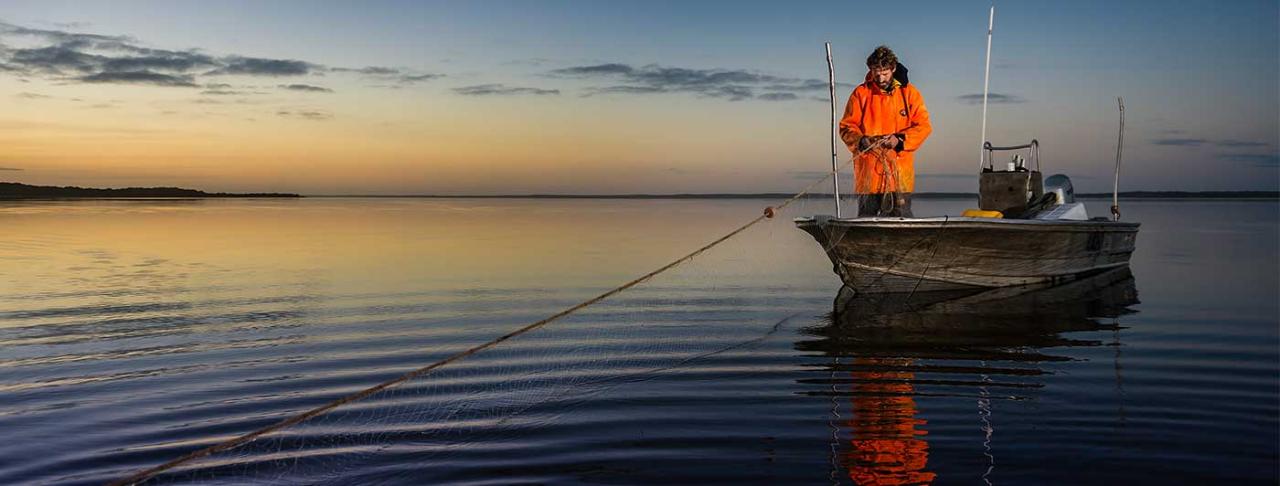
(968,222)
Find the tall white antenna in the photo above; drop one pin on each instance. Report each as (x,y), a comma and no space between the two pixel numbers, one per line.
(1115,189)
(835,171)
(986,78)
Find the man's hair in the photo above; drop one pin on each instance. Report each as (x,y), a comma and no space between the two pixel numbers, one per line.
(882,57)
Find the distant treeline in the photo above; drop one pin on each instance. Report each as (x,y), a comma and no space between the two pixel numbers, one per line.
(13,190)
(1190,194)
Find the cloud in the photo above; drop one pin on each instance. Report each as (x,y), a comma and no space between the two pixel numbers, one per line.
(10,168)
(534,61)
(224,92)
(60,37)
(172,61)
(97,58)
(1180,142)
(499,89)
(612,68)
(626,90)
(1258,160)
(54,60)
(778,96)
(729,84)
(140,77)
(396,75)
(305,87)
(1240,143)
(32,96)
(305,114)
(66,56)
(257,66)
(416,78)
(994,98)
(370,70)
(1196,142)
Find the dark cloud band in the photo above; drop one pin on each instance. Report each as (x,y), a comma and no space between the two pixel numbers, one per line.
(95,58)
(994,98)
(500,89)
(139,77)
(728,84)
(305,88)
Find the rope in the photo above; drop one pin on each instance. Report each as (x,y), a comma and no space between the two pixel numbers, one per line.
(151,472)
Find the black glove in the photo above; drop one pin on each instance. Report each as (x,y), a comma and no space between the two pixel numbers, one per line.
(865,142)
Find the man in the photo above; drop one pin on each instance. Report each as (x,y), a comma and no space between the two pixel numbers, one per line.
(886,118)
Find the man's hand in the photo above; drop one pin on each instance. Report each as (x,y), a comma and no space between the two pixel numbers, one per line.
(879,141)
(866,142)
(850,137)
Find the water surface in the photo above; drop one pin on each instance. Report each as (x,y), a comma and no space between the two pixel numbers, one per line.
(132,332)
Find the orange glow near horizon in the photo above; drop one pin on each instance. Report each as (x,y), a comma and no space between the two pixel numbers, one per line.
(408,143)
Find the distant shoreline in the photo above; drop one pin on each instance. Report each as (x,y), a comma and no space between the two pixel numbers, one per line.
(14,190)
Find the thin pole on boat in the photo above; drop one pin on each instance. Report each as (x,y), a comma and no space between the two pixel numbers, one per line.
(835,172)
(986,78)
(1115,189)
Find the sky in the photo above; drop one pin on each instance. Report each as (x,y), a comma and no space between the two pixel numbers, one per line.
(619,97)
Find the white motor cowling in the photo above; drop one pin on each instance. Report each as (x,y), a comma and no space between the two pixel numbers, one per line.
(1061,185)
(1066,207)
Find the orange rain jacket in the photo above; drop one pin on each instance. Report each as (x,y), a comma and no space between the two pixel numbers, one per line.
(871,112)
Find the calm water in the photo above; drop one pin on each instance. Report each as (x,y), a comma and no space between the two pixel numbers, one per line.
(132,332)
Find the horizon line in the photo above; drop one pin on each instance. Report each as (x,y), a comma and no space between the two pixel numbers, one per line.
(763,195)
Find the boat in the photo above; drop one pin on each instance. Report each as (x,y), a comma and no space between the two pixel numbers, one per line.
(1027,229)
(951,253)
(1050,239)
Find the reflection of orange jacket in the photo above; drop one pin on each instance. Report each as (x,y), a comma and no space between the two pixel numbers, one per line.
(887,447)
(870,112)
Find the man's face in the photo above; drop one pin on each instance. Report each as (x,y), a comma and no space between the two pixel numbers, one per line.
(882,76)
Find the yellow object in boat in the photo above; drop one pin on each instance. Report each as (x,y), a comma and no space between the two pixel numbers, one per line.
(978,213)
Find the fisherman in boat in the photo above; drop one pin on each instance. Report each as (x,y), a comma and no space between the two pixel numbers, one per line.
(885,121)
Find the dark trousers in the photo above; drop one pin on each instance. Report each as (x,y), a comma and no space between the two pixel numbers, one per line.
(886,205)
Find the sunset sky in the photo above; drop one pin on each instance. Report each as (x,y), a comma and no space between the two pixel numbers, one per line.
(517,97)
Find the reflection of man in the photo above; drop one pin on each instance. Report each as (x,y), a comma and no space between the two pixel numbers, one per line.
(887,115)
(887,447)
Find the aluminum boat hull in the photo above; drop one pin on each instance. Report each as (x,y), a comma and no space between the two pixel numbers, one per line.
(885,255)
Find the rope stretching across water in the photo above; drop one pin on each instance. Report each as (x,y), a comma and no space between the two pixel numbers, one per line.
(146,474)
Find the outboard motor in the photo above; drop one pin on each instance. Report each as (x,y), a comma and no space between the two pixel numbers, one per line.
(1065,207)
(1061,186)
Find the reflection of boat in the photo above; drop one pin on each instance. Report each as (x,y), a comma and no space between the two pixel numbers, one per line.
(1062,307)
(886,351)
